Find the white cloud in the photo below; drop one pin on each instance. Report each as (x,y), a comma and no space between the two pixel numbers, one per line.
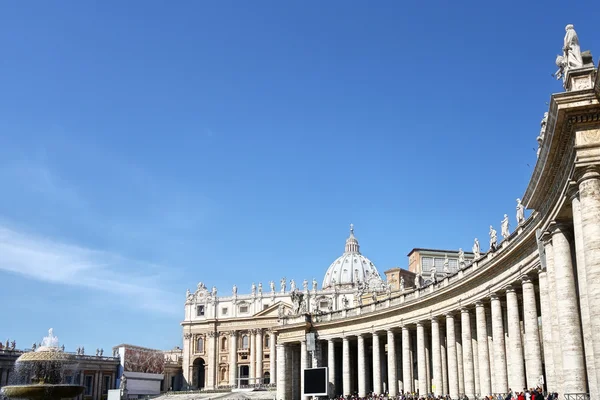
(60,263)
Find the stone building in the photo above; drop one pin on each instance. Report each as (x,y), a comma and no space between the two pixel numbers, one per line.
(521,315)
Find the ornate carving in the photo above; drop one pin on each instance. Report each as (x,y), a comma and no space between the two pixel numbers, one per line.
(212,334)
(187,336)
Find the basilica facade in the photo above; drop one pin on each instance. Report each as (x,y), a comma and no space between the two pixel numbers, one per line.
(521,314)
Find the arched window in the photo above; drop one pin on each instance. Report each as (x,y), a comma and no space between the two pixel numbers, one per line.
(200,345)
(245,343)
(267,340)
(223,344)
(223,375)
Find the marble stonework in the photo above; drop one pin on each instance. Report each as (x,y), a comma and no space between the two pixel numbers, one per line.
(476,332)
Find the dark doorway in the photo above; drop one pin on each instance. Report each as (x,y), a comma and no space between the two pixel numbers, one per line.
(244,373)
(199,366)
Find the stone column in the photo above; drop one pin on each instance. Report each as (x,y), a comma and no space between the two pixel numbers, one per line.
(406,365)
(553,322)
(421,367)
(188,345)
(331,366)
(259,355)
(303,366)
(568,313)
(547,330)
(391,363)
(452,363)
(436,357)
(475,349)
(272,357)
(444,364)
(376,364)
(490,340)
(533,351)
(514,333)
(485,386)
(362,378)
(252,367)
(212,359)
(467,350)
(233,358)
(282,378)
(346,366)
(586,224)
(459,356)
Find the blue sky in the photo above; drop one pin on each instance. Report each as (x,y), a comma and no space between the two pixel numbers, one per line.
(149,145)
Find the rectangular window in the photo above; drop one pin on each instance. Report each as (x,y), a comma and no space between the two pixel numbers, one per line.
(224,311)
(106,384)
(439,264)
(200,311)
(323,305)
(243,309)
(453,264)
(426,263)
(89,385)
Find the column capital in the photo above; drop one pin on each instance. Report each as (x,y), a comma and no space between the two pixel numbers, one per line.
(572,190)
(494,296)
(510,289)
(434,318)
(345,338)
(464,310)
(588,172)
(560,227)
(526,280)
(388,330)
(479,303)
(213,334)
(232,333)
(419,323)
(450,314)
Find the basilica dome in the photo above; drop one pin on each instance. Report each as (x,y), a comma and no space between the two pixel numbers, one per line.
(351,267)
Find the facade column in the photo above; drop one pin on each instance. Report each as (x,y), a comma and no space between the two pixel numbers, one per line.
(568,314)
(547,331)
(252,367)
(514,334)
(282,378)
(553,315)
(212,359)
(187,355)
(459,356)
(272,357)
(331,367)
(436,357)
(452,363)
(303,366)
(259,355)
(376,364)
(485,386)
(346,366)
(362,376)
(233,358)
(490,340)
(421,366)
(533,351)
(406,364)
(391,363)
(467,350)
(444,364)
(586,221)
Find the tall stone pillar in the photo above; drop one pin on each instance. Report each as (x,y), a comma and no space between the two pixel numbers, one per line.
(406,364)
(252,367)
(568,313)
(421,367)
(362,378)
(346,366)
(233,358)
(212,359)
(475,348)
(187,355)
(553,321)
(391,363)
(376,364)
(272,357)
(459,356)
(444,364)
(303,365)
(514,333)
(282,378)
(436,357)
(533,351)
(485,386)
(547,331)
(452,363)
(259,355)
(331,366)
(586,220)
(467,350)
(490,340)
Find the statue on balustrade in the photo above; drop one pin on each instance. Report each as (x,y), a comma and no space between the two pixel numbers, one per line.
(476,249)
(505,227)
(520,212)
(493,238)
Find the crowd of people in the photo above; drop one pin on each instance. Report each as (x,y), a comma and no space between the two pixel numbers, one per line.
(526,394)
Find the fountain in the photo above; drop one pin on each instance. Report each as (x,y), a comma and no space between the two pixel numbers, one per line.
(39,374)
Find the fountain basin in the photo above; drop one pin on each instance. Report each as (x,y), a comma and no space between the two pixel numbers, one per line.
(42,391)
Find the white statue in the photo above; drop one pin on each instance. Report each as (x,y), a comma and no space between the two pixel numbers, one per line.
(461,258)
(520,212)
(476,249)
(253,289)
(123,384)
(280,310)
(446,264)
(201,286)
(402,283)
(493,238)
(505,227)
(330,304)
(345,301)
(283,284)
(214,291)
(417,281)
(314,284)
(292,285)
(234,290)
(260,288)
(540,138)
(188,294)
(432,272)
(305,285)
(571,57)
(272,286)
